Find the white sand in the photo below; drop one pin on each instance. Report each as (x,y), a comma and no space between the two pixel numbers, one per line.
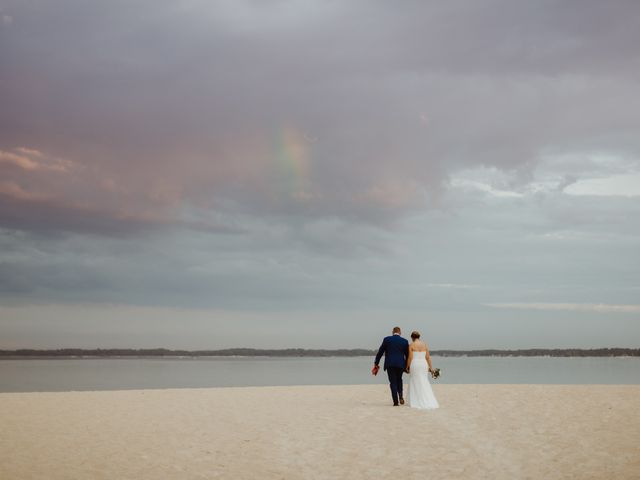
(334,432)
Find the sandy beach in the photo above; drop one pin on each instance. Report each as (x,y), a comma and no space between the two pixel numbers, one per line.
(332,432)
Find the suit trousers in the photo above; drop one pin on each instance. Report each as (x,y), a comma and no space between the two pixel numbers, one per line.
(395,382)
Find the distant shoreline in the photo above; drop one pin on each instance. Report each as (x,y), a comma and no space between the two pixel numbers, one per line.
(301,352)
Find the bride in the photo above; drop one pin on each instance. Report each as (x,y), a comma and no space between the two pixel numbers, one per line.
(420,394)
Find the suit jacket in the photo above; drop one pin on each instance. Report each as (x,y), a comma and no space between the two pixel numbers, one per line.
(395,350)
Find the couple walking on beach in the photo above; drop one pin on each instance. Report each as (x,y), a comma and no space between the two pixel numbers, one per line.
(401,356)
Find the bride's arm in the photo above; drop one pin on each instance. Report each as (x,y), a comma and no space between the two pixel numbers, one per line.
(428,357)
(409,358)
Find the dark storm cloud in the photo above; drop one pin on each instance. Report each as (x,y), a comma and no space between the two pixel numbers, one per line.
(544,248)
(46,216)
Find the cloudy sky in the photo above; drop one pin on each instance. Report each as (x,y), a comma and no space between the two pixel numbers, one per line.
(274,173)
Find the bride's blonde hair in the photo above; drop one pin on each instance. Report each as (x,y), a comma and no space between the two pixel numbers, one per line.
(415,335)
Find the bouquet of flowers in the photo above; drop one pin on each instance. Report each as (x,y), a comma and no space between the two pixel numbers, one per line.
(435,373)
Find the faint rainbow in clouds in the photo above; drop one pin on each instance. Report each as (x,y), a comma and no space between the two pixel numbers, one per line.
(292,164)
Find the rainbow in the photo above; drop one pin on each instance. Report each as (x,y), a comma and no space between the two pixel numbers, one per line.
(292,161)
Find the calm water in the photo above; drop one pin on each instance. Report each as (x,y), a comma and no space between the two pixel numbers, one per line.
(36,375)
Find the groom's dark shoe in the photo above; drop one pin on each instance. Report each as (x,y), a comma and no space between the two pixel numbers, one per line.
(401,401)
(395,404)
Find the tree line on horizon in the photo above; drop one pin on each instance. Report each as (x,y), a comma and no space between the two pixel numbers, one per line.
(303,352)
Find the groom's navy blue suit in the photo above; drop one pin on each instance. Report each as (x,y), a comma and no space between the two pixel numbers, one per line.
(395,350)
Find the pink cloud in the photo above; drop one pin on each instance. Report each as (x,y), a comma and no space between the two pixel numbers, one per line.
(18,160)
(30,159)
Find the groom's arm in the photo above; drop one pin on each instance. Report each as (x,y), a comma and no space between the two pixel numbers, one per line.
(381,350)
(407,356)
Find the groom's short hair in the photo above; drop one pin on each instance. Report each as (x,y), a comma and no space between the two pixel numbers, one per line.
(396,330)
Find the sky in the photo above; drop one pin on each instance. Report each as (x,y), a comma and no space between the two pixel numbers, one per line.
(211,174)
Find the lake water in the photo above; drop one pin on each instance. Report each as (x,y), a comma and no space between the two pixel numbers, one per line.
(35,375)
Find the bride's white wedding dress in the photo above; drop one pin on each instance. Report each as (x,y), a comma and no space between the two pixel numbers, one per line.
(420,394)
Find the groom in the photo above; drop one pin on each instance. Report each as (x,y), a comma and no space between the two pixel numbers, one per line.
(395,350)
